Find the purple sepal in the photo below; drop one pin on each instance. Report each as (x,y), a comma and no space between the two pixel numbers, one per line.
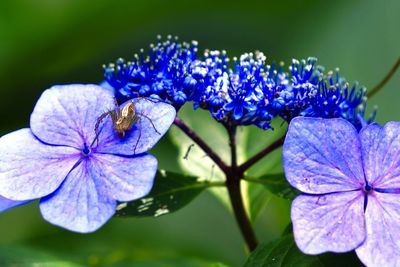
(322,156)
(30,169)
(323,223)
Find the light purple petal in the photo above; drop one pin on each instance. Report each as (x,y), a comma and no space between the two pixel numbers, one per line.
(124,178)
(322,156)
(80,204)
(6,203)
(107,86)
(155,118)
(381,155)
(382,245)
(67,114)
(370,138)
(30,169)
(333,222)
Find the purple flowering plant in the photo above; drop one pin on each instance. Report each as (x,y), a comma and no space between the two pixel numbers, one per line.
(78,179)
(85,153)
(351,187)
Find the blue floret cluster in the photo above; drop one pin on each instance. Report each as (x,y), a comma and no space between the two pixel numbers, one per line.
(237,91)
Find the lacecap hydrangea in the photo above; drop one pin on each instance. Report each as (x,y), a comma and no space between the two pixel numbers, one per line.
(238,91)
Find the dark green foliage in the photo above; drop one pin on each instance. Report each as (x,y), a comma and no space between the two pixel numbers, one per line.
(278,185)
(284,253)
(171,192)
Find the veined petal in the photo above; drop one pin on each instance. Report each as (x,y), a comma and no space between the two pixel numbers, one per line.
(333,222)
(124,178)
(322,156)
(6,203)
(80,204)
(30,169)
(382,245)
(381,155)
(67,114)
(154,120)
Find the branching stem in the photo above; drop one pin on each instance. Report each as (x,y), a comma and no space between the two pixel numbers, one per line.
(203,145)
(234,174)
(253,160)
(233,185)
(388,76)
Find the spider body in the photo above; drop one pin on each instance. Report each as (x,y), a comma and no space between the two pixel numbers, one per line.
(123,120)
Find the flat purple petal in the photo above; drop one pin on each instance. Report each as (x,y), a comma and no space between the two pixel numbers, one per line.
(80,204)
(67,114)
(382,245)
(124,178)
(30,169)
(107,86)
(332,222)
(381,155)
(155,118)
(322,156)
(370,138)
(6,203)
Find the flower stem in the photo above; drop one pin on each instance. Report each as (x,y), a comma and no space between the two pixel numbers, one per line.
(197,139)
(388,76)
(242,219)
(233,177)
(245,166)
(233,185)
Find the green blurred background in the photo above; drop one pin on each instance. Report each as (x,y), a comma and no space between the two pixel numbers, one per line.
(46,42)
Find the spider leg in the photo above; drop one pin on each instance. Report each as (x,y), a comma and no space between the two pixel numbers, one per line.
(153,99)
(152,124)
(117,108)
(149,98)
(113,115)
(96,127)
(140,134)
(116,103)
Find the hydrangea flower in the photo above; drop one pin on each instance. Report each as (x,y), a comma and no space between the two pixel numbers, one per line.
(163,72)
(78,180)
(351,188)
(242,91)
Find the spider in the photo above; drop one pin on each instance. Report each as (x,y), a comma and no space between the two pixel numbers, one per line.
(123,120)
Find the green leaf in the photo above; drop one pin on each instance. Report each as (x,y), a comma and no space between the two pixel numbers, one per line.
(17,255)
(284,253)
(258,199)
(180,262)
(254,140)
(277,184)
(171,192)
(258,139)
(250,140)
(279,253)
(192,159)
